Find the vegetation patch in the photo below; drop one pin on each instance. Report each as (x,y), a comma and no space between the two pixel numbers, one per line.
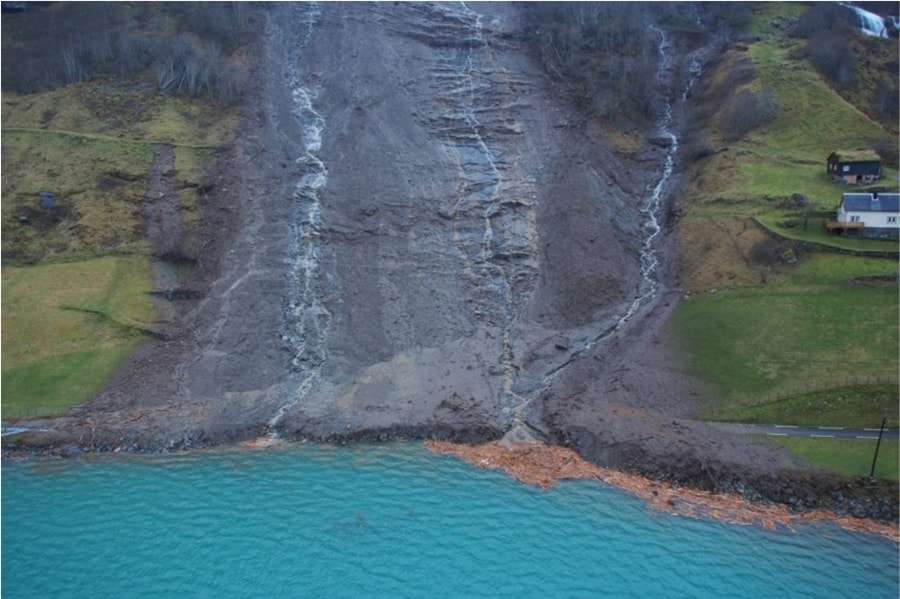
(67,325)
(810,227)
(829,322)
(87,90)
(847,457)
(95,206)
(860,406)
(49,387)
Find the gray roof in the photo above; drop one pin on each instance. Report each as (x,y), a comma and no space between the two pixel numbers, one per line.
(868,202)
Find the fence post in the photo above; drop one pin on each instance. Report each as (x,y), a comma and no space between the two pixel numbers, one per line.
(877,445)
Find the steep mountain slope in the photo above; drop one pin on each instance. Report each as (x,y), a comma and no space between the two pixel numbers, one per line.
(419,237)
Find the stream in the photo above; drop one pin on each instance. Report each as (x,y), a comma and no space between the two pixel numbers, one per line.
(307,318)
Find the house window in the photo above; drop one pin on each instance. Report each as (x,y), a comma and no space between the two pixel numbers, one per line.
(846,168)
(892,220)
(854,219)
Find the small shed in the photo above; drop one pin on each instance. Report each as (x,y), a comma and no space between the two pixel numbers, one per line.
(868,215)
(46,200)
(854,167)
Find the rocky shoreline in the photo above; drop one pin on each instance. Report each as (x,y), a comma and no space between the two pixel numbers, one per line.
(732,495)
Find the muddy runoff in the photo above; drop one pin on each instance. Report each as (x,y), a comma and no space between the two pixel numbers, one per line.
(416,235)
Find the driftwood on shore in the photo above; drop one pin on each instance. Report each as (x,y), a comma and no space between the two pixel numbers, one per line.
(543,465)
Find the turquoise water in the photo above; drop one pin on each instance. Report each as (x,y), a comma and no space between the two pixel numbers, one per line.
(387,521)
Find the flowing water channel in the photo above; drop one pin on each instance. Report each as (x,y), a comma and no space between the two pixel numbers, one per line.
(307,318)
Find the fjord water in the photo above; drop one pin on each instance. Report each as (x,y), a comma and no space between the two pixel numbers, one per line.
(389,520)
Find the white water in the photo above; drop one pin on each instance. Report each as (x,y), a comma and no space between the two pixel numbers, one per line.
(650,209)
(308,319)
(649,286)
(867,22)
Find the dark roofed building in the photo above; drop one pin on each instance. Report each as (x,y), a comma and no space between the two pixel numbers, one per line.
(854,167)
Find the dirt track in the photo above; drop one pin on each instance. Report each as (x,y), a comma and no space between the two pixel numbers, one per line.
(414,235)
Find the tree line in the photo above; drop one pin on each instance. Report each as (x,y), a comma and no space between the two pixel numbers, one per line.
(186,47)
(606,54)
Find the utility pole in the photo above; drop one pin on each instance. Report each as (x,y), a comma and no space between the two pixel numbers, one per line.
(877,445)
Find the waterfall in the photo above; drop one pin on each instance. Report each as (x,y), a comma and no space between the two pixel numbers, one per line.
(867,22)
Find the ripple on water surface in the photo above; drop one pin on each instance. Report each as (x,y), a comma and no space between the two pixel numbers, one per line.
(390,520)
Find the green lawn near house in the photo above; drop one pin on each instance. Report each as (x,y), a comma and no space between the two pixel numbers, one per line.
(788,224)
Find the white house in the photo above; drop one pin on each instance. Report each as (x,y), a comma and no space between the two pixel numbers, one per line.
(870,214)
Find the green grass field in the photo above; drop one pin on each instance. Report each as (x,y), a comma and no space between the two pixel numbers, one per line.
(76,277)
(66,326)
(759,344)
(848,457)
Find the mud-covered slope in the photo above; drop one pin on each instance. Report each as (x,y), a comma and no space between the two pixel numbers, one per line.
(414,234)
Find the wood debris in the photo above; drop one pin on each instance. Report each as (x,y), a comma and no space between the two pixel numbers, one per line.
(543,465)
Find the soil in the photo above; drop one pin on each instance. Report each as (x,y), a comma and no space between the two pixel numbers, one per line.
(415,235)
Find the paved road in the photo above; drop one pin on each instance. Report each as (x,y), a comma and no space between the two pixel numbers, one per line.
(775,430)
(821,432)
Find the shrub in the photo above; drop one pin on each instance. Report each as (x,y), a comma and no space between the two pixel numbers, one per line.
(832,56)
(190,68)
(747,111)
(78,41)
(886,94)
(602,53)
(824,17)
(696,144)
(767,251)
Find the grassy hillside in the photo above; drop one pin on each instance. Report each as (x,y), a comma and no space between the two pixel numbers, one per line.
(76,274)
(816,341)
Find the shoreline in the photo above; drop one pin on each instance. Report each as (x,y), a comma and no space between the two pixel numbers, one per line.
(543,465)
(538,464)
